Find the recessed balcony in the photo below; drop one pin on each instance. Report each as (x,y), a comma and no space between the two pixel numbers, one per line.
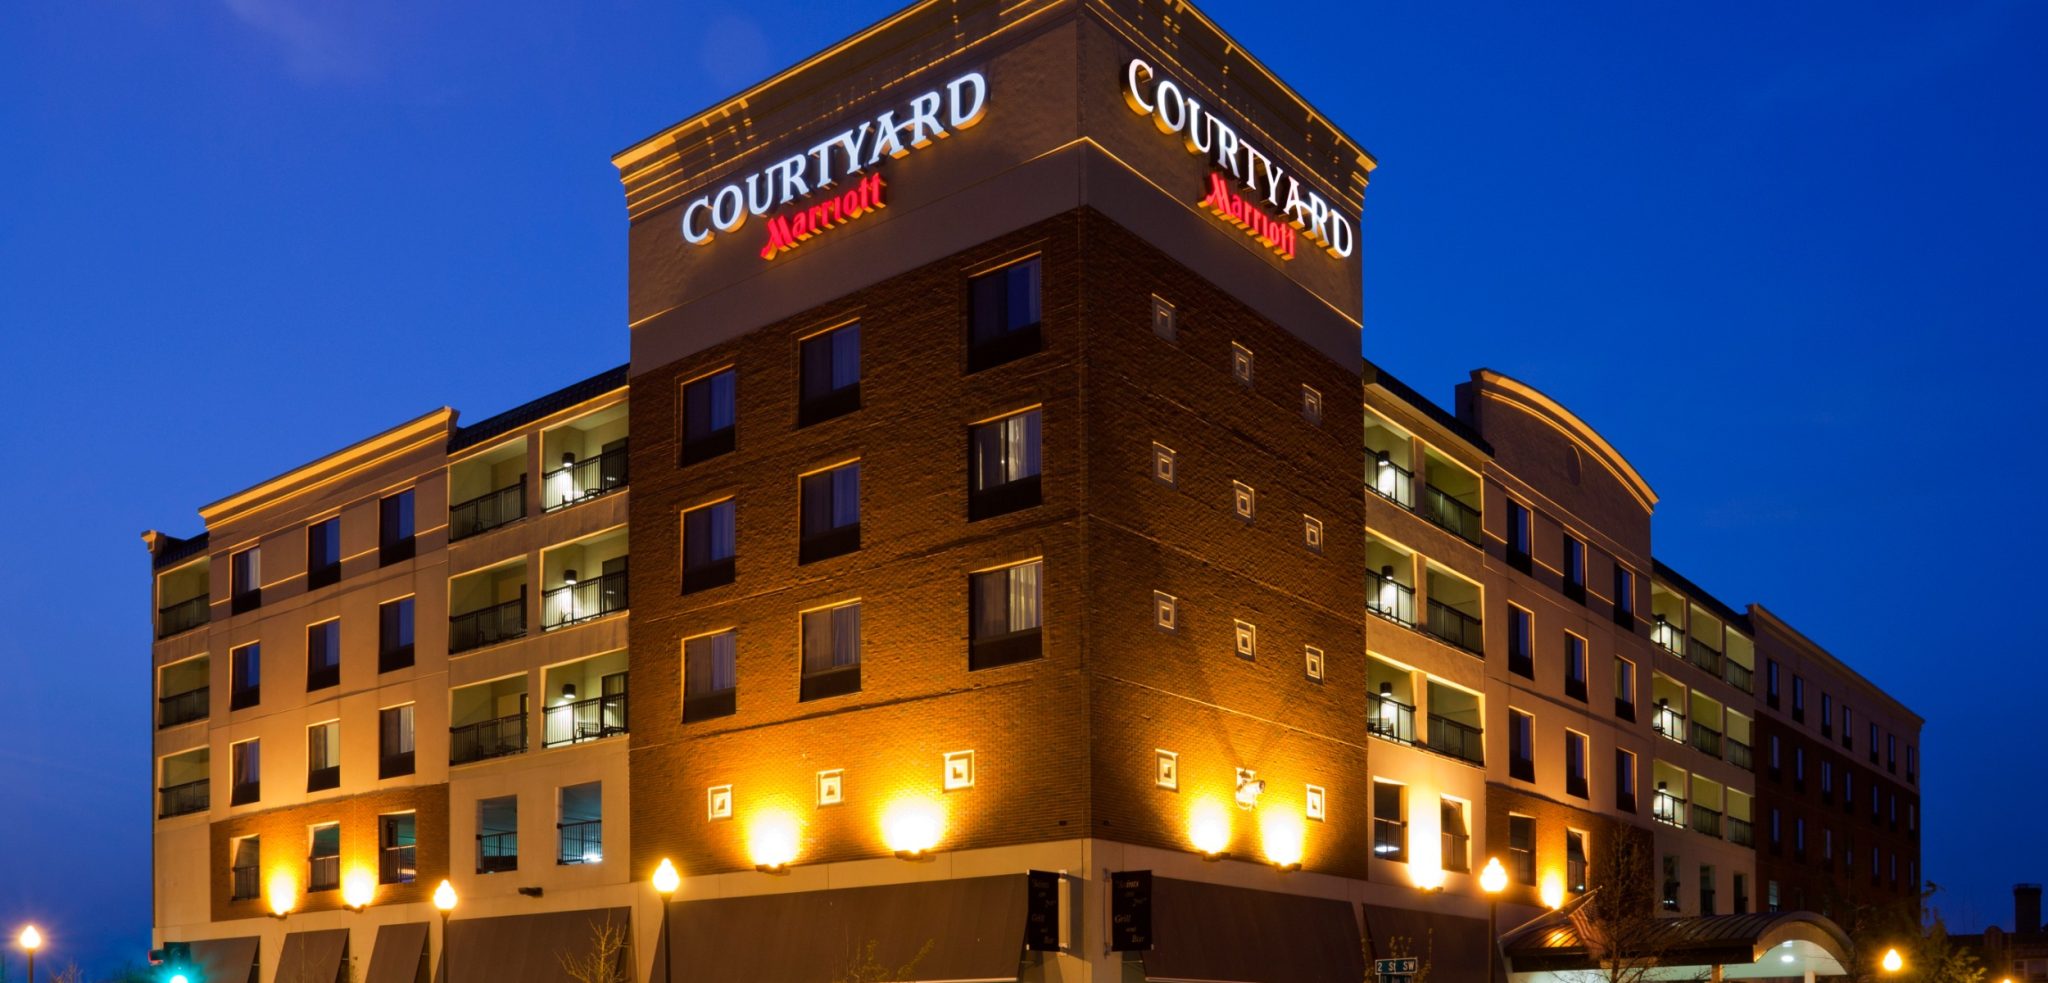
(185,786)
(187,695)
(587,580)
(183,598)
(488,490)
(585,459)
(1450,498)
(586,700)
(487,720)
(489,606)
(1453,613)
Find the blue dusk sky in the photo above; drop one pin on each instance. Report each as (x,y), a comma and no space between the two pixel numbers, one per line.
(1789,258)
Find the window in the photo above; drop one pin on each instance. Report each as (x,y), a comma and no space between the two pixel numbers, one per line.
(1777,833)
(1575,667)
(1003,465)
(1244,500)
(323,756)
(1520,659)
(1771,895)
(394,635)
(1575,764)
(1005,617)
(1624,689)
(1771,683)
(394,741)
(1521,746)
(1522,848)
(1912,765)
(246,760)
(1891,753)
(1624,780)
(395,528)
(247,580)
(830,517)
(1798,699)
(1774,756)
(1706,889)
(323,655)
(1313,662)
(1741,893)
(1165,611)
(1003,315)
(1848,728)
(1873,743)
(1457,845)
(323,861)
(710,680)
(1518,536)
(1165,319)
(497,834)
(1389,822)
(831,654)
(323,553)
(708,541)
(1311,404)
(397,849)
(1574,569)
(1575,861)
(245,676)
(1624,596)
(1247,635)
(1799,836)
(708,416)
(581,837)
(1827,715)
(1799,764)
(1162,463)
(1671,885)
(830,370)
(245,866)
(718,802)
(1241,364)
(1312,533)
(1827,778)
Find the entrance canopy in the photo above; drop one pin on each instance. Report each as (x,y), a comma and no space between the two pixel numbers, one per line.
(1564,944)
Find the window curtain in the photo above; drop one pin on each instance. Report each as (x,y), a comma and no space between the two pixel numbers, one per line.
(707,405)
(322,745)
(248,852)
(708,534)
(1006,601)
(708,663)
(831,362)
(397,737)
(248,762)
(1006,450)
(831,500)
(832,638)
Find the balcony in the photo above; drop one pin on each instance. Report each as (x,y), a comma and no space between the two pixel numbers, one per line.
(184,798)
(582,842)
(1456,627)
(1738,676)
(183,616)
(1668,635)
(1668,809)
(1390,480)
(1450,514)
(593,719)
(1668,723)
(183,707)
(487,626)
(487,739)
(576,482)
(576,602)
(487,490)
(1389,598)
(1706,739)
(1739,755)
(487,511)
(1389,719)
(1700,654)
(1456,740)
(1705,820)
(1741,833)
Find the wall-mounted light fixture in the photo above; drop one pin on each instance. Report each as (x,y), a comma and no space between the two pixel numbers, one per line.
(1209,829)
(283,893)
(1281,834)
(1552,891)
(358,889)
(1249,788)
(911,828)
(772,842)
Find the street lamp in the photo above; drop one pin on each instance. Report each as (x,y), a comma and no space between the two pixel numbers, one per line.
(1892,962)
(444,901)
(31,940)
(1493,880)
(666,881)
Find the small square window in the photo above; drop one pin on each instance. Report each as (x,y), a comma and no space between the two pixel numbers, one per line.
(1313,804)
(1312,533)
(1164,610)
(1247,640)
(831,787)
(1245,500)
(1311,404)
(1313,662)
(1241,363)
(1167,773)
(1165,319)
(959,770)
(718,802)
(1163,463)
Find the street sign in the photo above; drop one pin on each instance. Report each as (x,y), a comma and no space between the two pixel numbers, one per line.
(1401,970)
(1130,911)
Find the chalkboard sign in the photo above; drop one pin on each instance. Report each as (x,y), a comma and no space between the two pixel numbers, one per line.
(1042,911)
(1130,911)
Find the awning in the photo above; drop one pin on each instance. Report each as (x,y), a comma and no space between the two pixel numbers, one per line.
(531,947)
(1212,932)
(400,955)
(1454,948)
(1569,941)
(968,929)
(313,957)
(225,960)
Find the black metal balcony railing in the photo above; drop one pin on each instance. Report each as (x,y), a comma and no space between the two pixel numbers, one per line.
(1706,739)
(244,881)
(1521,768)
(1456,627)
(1668,809)
(1390,599)
(1705,820)
(1666,634)
(497,853)
(323,873)
(1702,655)
(584,720)
(1455,516)
(487,626)
(1740,832)
(1390,481)
(584,601)
(183,616)
(487,739)
(581,842)
(178,708)
(398,864)
(1388,718)
(1738,676)
(584,480)
(487,511)
(1739,755)
(1668,723)
(396,657)
(1457,740)
(184,798)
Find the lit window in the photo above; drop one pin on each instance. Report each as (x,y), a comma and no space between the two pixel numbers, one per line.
(1311,404)
(1574,667)
(397,848)
(959,771)
(1518,536)
(1005,617)
(1241,363)
(1163,610)
(1389,822)
(580,836)
(245,676)
(246,581)
(497,834)
(246,761)
(1457,839)
(1003,466)
(1244,500)
(1165,319)
(1003,315)
(832,787)
(829,513)
(245,868)
(829,366)
(1575,764)
(718,802)
(708,415)
(1166,773)
(1313,658)
(1575,861)
(1314,804)
(1312,532)
(1522,848)
(1163,463)
(1247,640)
(1521,745)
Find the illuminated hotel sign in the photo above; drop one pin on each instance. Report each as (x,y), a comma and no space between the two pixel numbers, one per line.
(927,117)
(1203,132)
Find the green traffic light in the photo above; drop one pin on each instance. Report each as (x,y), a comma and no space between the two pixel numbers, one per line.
(178,978)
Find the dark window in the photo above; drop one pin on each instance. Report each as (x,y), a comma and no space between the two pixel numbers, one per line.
(1518,537)
(1521,746)
(394,741)
(1575,764)
(246,580)
(830,513)
(323,655)
(1521,660)
(1827,715)
(1741,894)
(710,680)
(324,862)
(1574,569)
(830,367)
(1389,824)
(1522,848)
(497,834)
(1003,315)
(397,857)
(831,654)
(1706,889)
(246,762)
(245,869)
(580,835)
(245,676)
(1624,781)
(323,553)
(395,528)
(1891,753)
(1624,596)
(323,756)
(1002,466)
(1624,689)
(1575,861)
(1873,743)
(1004,617)
(708,416)
(1575,667)
(1848,728)
(1912,765)
(1798,699)
(394,634)
(1771,683)
(1671,887)
(708,539)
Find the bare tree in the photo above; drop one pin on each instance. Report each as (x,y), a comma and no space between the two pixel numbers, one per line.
(1619,920)
(1402,947)
(864,967)
(69,974)
(602,961)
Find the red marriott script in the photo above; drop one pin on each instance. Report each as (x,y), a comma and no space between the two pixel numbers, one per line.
(789,230)
(1231,207)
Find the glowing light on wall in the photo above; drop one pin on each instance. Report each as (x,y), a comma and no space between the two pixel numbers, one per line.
(1209,828)
(1280,835)
(912,827)
(1552,891)
(772,840)
(1428,877)
(284,892)
(358,889)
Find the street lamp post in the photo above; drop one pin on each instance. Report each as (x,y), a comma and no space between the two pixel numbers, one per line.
(444,901)
(31,940)
(1493,880)
(666,881)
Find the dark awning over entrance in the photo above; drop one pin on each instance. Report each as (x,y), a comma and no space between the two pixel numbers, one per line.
(225,960)
(974,927)
(529,947)
(400,955)
(1212,932)
(313,957)
(1761,945)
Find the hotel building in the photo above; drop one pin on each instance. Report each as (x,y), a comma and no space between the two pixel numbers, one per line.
(1032,583)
